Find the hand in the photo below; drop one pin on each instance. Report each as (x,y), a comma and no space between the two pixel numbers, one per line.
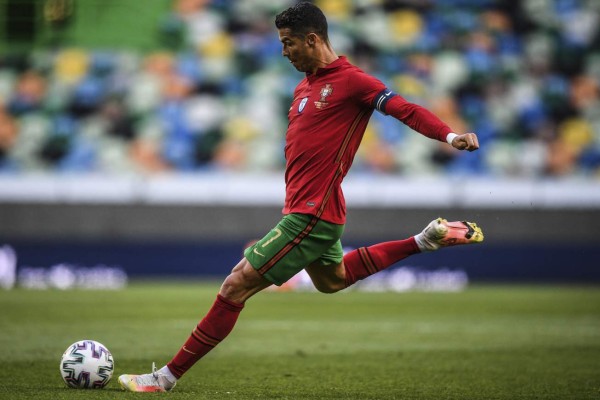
(467,141)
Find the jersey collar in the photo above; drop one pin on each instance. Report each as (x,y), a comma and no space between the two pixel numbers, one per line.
(327,69)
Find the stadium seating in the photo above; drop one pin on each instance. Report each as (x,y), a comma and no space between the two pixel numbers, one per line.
(214,93)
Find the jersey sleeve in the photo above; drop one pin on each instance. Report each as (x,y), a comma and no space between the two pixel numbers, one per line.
(418,118)
(364,88)
(371,92)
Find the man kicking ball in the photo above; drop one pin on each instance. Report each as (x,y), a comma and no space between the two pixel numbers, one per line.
(327,119)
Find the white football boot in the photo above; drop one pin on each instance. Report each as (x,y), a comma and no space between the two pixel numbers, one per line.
(441,233)
(153,382)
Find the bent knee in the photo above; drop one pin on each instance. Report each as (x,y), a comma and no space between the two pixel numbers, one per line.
(231,286)
(329,287)
(242,282)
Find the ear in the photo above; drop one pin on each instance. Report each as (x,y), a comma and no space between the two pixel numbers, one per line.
(311,39)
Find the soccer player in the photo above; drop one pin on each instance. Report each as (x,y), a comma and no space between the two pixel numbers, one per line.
(327,118)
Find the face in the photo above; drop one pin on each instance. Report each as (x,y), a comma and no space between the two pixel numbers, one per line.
(297,50)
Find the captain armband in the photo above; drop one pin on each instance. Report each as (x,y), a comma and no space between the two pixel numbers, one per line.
(381,100)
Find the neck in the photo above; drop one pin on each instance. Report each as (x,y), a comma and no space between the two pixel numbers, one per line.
(323,58)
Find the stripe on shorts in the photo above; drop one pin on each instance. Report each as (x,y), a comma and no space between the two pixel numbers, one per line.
(289,247)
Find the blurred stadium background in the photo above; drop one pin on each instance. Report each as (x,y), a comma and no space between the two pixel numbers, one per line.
(149,135)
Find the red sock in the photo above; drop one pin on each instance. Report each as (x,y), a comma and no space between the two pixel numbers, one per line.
(366,261)
(214,327)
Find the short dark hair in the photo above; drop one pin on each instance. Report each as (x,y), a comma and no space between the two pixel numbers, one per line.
(303,18)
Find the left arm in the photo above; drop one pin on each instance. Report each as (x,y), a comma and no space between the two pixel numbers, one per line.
(423,121)
(369,91)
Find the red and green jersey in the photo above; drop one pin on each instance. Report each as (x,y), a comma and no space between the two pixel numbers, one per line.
(327,120)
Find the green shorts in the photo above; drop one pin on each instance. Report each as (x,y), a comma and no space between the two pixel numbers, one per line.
(297,241)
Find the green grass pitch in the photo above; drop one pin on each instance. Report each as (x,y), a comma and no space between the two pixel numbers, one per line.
(488,342)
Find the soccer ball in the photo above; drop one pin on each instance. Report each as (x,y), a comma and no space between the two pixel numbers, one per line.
(86,364)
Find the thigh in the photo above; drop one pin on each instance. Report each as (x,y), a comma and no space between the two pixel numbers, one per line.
(327,278)
(327,272)
(297,241)
(332,256)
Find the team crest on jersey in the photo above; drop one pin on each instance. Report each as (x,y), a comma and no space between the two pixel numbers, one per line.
(325,92)
(302,104)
